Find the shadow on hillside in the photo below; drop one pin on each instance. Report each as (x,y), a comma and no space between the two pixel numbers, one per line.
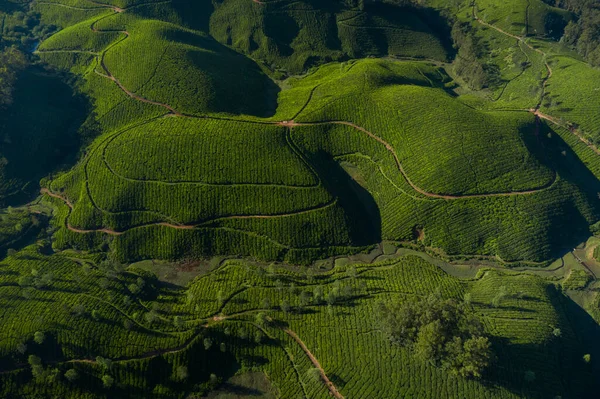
(235,83)
(361,212)
(41,132)
(556,366)
(569,212)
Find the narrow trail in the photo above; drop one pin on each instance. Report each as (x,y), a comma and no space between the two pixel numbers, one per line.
(390,148)
(316,363)
(171,111)
(536,111)
(174,225)
(529,46)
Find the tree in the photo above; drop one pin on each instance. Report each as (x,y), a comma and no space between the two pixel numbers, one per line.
(266,303)
(71,375)
(442,332)
(332,297)
(104,283)
(351,272)
(134,289)
(468,358)
(79,310)
(314,374)
(258,337)
(181,373)
(304,298)
(107,381)
(208,343)
(587,358)
(279,284)
(178,322)
(285,306)
(128,324)
(529,376)
(21,348)
(430,342)
(500,296)
(318,294)
(104,362)
(36,366)
(261,319)
(557,332)
(151,317)
(39,337)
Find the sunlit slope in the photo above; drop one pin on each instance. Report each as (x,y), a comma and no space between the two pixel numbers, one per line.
(294,35)
(171,326)
(476,182)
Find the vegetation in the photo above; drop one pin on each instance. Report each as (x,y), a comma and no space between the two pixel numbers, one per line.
(441,332)
(424,161)
(337,321)
(582,34)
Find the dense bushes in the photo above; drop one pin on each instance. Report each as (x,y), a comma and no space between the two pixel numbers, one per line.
(468,64)
(440,331)
(12,61)
(583,34)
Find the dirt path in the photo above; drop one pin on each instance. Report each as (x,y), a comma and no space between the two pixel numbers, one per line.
(173,225)
(521,40)
(389,147)
(316,363)
(536,110)
(289,124)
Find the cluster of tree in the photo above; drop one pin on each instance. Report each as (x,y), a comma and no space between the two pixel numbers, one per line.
(470,52)
(584,33)
(11,62)
(443,332)
(23,28)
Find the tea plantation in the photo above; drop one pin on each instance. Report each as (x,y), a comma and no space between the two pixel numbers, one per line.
(225,197)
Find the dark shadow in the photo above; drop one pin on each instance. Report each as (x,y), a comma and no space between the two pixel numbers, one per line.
(568,211)
(558,362)
(362,216)
(283,29)
(42,131)
(338,381)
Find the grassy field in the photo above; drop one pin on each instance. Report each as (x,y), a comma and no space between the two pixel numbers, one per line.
(337,139)
(213,321)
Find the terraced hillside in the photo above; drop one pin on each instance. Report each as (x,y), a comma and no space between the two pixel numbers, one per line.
(176,168)
(233,192)
(282,323)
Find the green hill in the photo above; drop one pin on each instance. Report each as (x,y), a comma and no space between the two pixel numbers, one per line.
(233,190)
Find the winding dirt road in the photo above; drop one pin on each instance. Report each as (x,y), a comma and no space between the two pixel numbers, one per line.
(315,363)
(418,189)
(289,124)
(536,111)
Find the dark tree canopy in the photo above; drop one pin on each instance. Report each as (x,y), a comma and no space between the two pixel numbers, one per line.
(443,332)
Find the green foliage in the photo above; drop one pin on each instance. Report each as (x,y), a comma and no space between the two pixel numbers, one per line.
(577,280)
(468,63)
(71,375)
(583,33)
(441,332)
(12,61)
(107,381)
(39,337)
